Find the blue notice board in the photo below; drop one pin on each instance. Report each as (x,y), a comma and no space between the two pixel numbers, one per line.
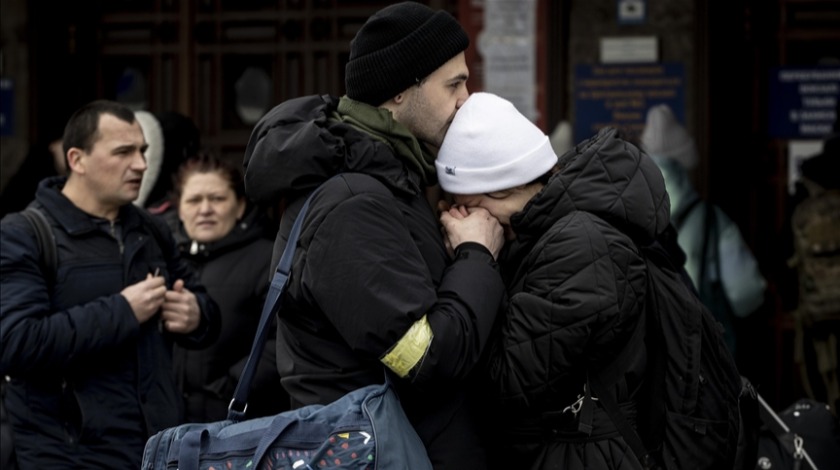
(803,102)
(620,96)
(6,107)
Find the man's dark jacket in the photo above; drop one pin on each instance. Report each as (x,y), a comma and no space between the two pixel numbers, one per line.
(369,264)
(89,384)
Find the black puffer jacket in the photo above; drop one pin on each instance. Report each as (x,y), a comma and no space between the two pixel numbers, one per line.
(89,384)
(235,271)
(577,285)
(370,263)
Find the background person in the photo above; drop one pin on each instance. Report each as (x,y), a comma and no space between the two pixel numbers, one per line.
(812,237)
(718,260)
(220,234)
(172,138)
(373,288)
(88,347)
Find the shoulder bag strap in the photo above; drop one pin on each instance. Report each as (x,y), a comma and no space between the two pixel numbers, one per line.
(239,403)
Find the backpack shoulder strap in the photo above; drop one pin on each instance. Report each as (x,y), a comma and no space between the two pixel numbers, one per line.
(710,242)
(678,219)
(46,242)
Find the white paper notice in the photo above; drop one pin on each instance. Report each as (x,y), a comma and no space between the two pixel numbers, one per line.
(798,152)
(508,47)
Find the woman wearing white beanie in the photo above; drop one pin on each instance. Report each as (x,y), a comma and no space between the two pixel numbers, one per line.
(574,276)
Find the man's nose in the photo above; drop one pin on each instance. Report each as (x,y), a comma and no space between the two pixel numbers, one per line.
(462,96)
(139,161)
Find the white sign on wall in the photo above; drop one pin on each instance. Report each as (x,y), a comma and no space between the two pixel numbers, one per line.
(626,50)
(508,47)
(798,152)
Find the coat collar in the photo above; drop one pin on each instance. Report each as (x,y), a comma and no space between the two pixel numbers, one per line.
(72,219)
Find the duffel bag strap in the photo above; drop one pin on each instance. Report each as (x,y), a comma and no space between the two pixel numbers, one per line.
(239,404)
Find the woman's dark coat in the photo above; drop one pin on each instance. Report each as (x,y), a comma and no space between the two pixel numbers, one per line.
(235,271)
(577,284)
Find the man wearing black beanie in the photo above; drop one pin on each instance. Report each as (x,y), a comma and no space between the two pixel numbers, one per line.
(373,287)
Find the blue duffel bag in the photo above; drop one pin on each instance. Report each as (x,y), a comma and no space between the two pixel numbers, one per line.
(364,429)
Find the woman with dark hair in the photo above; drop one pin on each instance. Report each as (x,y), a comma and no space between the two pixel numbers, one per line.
(220,233)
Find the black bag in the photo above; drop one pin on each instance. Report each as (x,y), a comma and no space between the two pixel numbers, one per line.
(366,428)
(697,412)
(805,436)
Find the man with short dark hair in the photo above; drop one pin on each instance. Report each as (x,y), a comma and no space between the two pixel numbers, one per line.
(88,346)
(374,288)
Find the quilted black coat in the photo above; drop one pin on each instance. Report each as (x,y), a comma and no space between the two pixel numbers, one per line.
(576,284)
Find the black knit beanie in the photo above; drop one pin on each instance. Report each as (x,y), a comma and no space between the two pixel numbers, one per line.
(398,46)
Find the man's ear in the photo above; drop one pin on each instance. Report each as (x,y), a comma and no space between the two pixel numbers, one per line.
(394,103)
(75,162)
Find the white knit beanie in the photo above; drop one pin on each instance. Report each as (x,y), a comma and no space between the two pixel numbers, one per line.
(491,146)
(153,133)
(664,137)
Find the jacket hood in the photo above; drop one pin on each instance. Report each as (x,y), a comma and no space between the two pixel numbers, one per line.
(153,134)
(606,176)
(301,143)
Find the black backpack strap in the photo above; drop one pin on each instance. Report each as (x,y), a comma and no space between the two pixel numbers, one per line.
(603,383)
(46,242)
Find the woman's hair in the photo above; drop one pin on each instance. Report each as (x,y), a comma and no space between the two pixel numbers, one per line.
(207,164)
(543,179)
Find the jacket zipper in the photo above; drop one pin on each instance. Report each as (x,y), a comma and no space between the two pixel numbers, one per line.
(119,241)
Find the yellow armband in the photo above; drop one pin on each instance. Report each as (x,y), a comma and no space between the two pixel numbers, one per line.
(410,349)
